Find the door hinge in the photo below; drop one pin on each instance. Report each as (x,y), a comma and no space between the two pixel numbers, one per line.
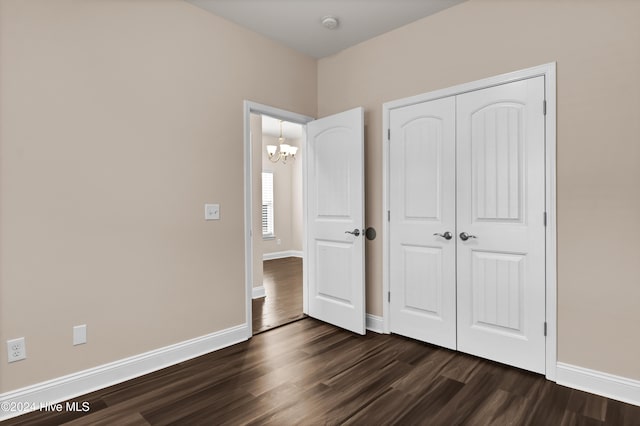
(388,215)
(544,107)
(544,218)
(545,328)
(389,134)
(389,296)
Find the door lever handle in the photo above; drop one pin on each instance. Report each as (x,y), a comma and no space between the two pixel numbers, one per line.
(464,236)
(447,235)
(355,232)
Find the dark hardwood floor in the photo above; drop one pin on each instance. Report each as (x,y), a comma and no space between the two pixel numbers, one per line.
(311,373)
(283,283)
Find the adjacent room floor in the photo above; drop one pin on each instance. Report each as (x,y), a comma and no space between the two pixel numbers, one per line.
(282,281)
(309,372)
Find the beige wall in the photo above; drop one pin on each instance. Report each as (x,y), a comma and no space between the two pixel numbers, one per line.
(597,48)
(118,121)
(287,193)
(256,197)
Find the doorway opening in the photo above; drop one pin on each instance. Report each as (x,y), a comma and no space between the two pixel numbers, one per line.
(275,282)
(277,211)
(333,287)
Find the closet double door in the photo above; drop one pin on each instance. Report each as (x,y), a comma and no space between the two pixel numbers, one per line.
(467,237)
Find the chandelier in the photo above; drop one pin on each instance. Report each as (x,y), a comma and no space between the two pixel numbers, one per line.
(282,151)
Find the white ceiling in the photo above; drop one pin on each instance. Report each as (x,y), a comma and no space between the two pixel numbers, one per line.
(297,23)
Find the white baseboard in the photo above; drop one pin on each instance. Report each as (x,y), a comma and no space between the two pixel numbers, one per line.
(83,382)
(374,323)
(281,254)
(259,292)
(599,383)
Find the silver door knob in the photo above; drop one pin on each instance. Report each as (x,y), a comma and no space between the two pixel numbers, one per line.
(355,232)
(464,236)
(447,235)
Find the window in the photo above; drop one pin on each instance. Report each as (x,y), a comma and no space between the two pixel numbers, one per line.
(267,205)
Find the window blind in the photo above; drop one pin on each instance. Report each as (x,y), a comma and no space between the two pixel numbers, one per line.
(267,204)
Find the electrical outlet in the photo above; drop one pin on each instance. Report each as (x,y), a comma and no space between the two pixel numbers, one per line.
(16,349)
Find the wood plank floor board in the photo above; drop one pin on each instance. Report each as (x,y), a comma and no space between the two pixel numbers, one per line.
(311,373)
(429,404)
(219,406)
(415,354)
(210,399)
(519,382)
(425,372)
(462,367)
(383,410)
(551,405)
(275,399)
(303,408)
(574,419)
(621,414)
(362,368)
(330,364)
(501,408)
(465,402)
(127,419)
(350,397)
(588,405)
(310,369)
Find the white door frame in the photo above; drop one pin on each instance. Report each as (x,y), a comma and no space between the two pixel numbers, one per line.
(548,71)
(250,107)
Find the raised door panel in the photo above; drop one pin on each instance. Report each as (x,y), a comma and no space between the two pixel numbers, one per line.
(422,282)
(332,267)
(422,145)
(332,174)
(496,162)
(498,287)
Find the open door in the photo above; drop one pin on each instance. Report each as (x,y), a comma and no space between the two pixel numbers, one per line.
(335,219)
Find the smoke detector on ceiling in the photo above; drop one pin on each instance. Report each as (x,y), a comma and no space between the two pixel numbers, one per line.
(330,22)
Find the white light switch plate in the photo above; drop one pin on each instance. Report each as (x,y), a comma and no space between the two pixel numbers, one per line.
(211,211)
(79,334)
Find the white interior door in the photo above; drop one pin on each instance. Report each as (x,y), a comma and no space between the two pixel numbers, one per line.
(422,251)
(501,204)
(335,218)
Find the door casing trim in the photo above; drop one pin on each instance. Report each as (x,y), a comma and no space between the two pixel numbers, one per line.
(250,107)
(548,71)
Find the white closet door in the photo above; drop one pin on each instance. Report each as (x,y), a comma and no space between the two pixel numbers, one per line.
(500,203)
(422,203)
